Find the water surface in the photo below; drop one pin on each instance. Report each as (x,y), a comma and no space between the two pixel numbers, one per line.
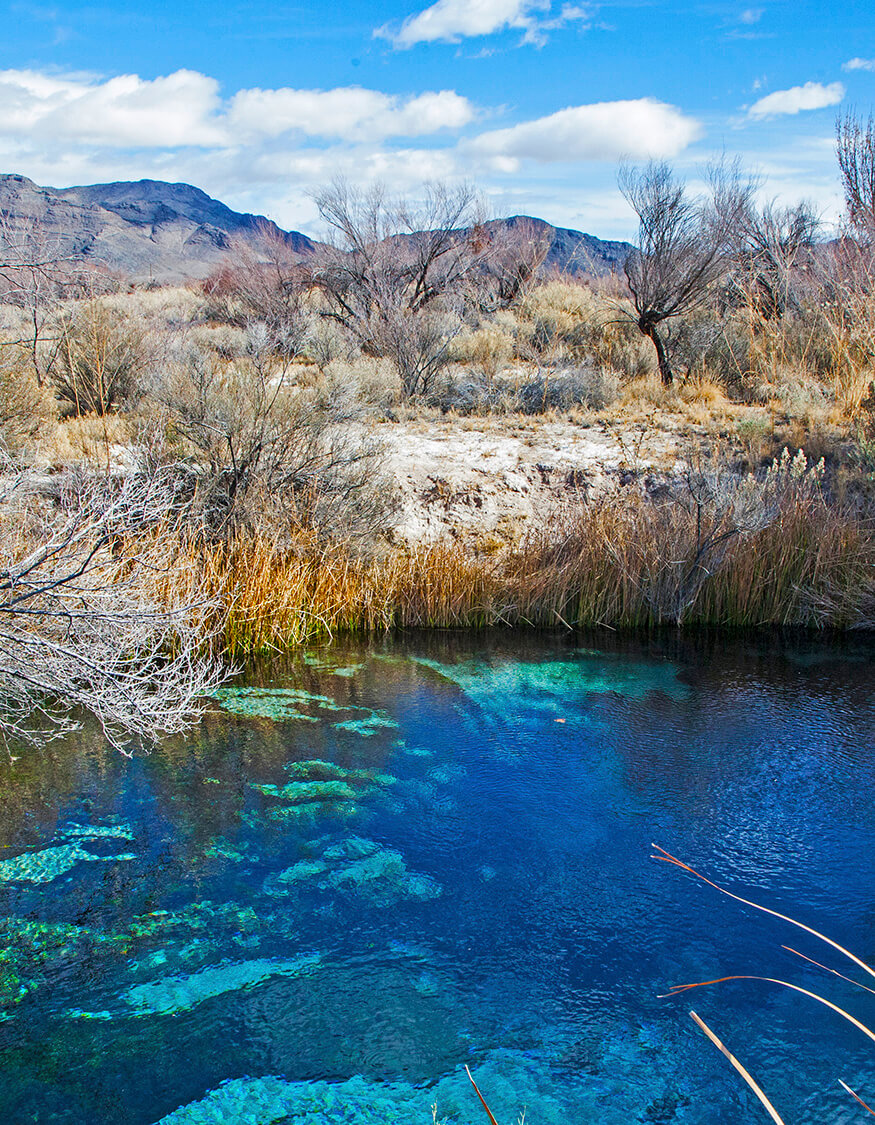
(372,864)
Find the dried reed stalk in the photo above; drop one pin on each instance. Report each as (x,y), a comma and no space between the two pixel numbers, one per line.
(757,1089)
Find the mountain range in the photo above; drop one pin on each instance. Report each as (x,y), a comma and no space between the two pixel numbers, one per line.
(152,230)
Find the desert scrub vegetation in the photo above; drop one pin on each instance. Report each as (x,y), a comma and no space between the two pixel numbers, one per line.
(735,325)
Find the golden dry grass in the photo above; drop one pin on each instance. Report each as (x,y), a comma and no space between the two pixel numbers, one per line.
(624,562)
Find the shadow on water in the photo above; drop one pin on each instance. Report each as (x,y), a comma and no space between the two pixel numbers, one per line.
(373,863)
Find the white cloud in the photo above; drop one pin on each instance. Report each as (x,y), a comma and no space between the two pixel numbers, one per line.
(813,95)
(751,16)
(351,113)
(603,131)
(179,109)
(184,109)
(453,20)
(859,64)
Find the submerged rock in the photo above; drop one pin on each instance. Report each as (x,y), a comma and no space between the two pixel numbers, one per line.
(180,993)
(297,792)
(509,1081)
(368,870)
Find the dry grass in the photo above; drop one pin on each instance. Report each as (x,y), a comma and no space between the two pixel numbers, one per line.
(625,561)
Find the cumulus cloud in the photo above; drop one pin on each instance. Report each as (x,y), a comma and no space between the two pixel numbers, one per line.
(264,149)
(351,113)
(453,20)
(185,109)
(859,64)
(813,95)
(636,129)
(179,109)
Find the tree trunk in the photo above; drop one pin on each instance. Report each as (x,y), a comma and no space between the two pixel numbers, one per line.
(648,327)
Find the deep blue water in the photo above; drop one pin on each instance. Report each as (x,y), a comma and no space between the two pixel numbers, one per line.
(371,865)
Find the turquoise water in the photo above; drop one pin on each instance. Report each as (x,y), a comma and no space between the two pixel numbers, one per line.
(372,865)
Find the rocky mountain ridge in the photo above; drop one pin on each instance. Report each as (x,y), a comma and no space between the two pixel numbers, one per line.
(153,230)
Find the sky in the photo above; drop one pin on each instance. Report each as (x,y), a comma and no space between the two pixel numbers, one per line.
(533,101)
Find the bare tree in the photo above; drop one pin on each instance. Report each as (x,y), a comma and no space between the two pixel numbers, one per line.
(266,282)
(396,275)
(82,625)
(855,149)
(684,244)
(775,247)
(517,250)
(36,269)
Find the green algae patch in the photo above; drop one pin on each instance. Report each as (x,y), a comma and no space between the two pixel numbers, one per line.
(298,792)
(551,687)
(373,722)
(169,995)
(197,918)
(277,704)
(367,870)
(221,848)
(50,863)
(316,769)
(119,831)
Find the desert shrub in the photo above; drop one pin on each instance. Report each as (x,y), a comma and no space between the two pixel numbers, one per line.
(99,360)
(565,322)
(24,405)
(473,393)
(372,382)
(591,387)
(265,452)
(487,348)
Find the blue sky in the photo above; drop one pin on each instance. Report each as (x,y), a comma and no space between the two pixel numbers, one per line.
(535,101)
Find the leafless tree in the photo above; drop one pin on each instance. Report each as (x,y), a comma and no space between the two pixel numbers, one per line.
(93,617)
(265,281)
(36,269)
(516,251)
(396,275)
(684,244)
(855,149)
(775,247)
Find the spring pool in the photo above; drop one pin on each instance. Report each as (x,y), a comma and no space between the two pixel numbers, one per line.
(374,863)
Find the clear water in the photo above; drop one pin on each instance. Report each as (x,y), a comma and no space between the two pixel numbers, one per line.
(372,865)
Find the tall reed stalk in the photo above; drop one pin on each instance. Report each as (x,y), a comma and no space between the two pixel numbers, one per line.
(623,562)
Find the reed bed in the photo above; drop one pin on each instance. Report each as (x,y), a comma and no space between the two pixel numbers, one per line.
(625,562)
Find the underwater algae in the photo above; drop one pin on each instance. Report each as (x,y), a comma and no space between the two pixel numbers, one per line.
(50,863)
(551,686)
(170,995)
(357,868)
(294,704)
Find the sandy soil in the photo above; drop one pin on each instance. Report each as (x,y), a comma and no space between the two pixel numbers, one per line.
(476,478)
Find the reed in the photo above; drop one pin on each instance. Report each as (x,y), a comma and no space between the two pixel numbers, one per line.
(624,562)
(676,990)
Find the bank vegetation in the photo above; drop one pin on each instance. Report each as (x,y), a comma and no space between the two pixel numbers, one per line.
(742,330)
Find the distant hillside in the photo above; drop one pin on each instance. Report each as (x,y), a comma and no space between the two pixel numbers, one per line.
(144,229)
(573,253)
(175,232)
